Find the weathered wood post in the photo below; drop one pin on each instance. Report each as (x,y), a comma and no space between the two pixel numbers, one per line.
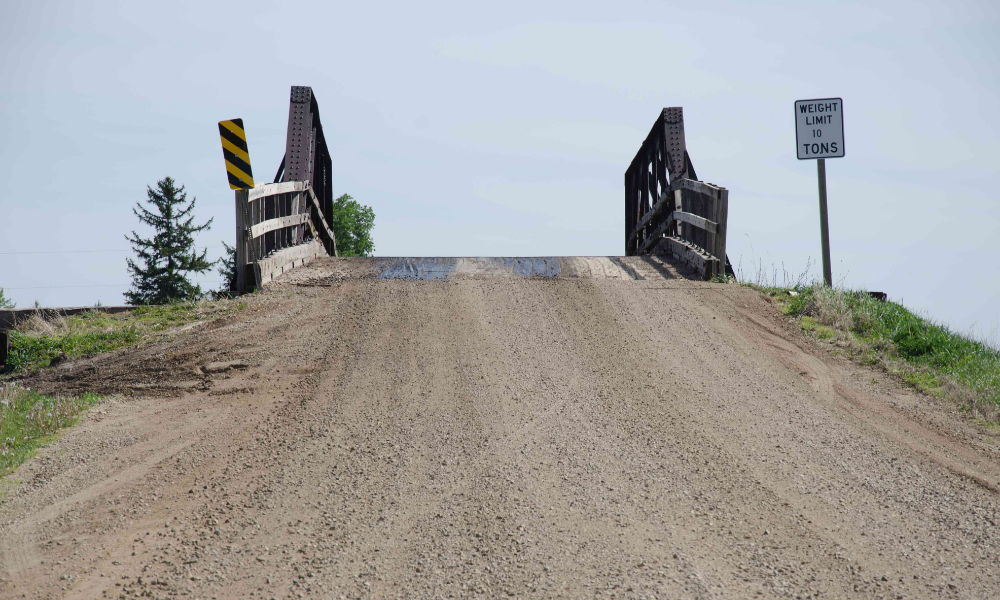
(241,242)
(721,217)
(4,345)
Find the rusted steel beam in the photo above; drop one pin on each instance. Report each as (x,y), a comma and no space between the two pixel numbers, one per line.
(307,157)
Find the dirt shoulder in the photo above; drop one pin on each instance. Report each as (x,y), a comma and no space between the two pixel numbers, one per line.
(590,434)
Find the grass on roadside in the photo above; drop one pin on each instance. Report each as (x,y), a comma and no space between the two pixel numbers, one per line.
(29,419)
(37,342)
(925,355)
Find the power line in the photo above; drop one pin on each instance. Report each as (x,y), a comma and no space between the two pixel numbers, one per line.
(59,287)
(87,251)
(64,251)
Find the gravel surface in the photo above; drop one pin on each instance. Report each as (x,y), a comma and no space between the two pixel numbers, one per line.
(482,434)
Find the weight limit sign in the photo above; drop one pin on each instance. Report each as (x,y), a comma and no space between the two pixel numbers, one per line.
(819,128)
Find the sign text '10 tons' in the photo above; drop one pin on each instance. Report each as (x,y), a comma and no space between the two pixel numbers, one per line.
(819,128)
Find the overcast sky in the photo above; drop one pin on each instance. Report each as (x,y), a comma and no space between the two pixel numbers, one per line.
(504,129)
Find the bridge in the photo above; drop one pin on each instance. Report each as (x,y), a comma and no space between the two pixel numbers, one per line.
(668,211)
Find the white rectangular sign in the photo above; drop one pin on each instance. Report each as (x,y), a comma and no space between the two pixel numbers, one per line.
(819,128)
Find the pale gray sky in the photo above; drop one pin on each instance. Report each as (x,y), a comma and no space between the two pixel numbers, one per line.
(506,129)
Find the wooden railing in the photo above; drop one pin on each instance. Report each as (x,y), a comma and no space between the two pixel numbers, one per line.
(283,224)
(667,210)
(279,226)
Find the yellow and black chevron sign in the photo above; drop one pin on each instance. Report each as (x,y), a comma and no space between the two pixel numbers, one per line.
(234,148)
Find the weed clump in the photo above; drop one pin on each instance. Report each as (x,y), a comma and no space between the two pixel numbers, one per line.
(912,344)
(34,351)
(925,354)
(28,419)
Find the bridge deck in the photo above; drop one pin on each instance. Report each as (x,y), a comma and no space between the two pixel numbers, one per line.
(431,268)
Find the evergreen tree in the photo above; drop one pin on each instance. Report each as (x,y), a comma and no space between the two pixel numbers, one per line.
(5,302)
(227,269)
(169,255)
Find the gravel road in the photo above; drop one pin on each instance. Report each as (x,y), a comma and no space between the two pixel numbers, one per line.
(607,429)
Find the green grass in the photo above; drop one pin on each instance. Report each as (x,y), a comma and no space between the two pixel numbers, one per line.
(922,353)
(28,352)
(37,342)
(29,419)
(810,325)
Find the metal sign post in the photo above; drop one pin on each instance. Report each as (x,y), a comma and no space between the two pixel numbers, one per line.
(819,135)
(824,225)
(237,155)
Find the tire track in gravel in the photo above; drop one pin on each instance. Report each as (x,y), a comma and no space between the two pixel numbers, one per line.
(821,458)
(494,436)
(709,526)
(252,500)
(230,491)
(924,441)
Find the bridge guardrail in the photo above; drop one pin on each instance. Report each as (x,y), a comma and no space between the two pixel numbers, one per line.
(667,209)
(279,226)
